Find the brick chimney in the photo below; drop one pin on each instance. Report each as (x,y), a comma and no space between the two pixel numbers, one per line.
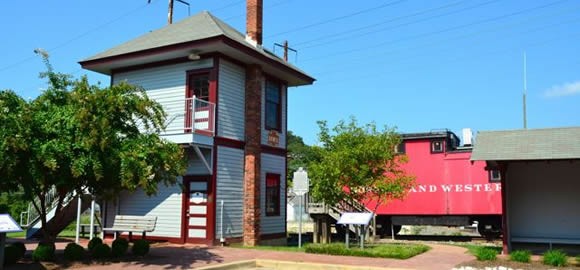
(254,22)
(253,130)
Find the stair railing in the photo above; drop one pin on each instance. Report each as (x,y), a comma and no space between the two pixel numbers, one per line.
(31,216)
(335,211)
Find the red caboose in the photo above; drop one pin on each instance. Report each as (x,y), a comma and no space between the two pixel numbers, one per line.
(450,189)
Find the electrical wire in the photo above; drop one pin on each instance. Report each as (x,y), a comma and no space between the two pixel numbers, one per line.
(380,44)
(75,38)
(478,33)
(337,18)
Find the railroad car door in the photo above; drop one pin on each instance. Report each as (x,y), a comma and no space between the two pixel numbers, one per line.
(198,210)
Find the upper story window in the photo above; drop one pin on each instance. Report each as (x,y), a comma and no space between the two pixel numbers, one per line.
(273,106)
(198,86)
(494,176)
(272,194)
(437,146)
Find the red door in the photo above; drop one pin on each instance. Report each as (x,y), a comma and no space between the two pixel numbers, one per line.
(198,210)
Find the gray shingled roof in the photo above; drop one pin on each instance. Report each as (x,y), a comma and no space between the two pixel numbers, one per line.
(200,26)
(530,144)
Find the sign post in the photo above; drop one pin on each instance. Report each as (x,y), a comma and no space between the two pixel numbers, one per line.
(358,219)
(7,224)
(301,186)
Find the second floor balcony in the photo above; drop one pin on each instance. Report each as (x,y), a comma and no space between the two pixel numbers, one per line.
(189,120)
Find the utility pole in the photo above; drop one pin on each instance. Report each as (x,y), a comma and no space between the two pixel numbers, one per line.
(525,92)
(285,48)
(170,13)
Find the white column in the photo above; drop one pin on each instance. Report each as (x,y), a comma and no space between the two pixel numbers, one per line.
(92,229)
(78,219)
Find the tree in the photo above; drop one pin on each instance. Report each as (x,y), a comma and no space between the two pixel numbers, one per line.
(358,163)
(299,154)
(76,137)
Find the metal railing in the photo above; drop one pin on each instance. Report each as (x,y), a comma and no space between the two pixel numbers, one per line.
(335,211)
(189,115)
(31,215)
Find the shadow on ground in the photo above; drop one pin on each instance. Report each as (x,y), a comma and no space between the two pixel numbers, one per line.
(162,257)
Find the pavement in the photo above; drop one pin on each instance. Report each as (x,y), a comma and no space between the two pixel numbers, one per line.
(173,256)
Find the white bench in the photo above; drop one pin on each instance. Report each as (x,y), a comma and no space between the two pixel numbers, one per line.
(131,224)
(546,240)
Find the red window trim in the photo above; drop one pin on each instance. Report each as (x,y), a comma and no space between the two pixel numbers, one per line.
(278,111)
(276,211)
(212,90)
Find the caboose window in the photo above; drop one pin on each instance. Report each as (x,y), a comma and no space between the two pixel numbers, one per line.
(400,148)
(436,146)
(494,176)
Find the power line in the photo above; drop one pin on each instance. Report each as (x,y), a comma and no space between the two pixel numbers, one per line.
(74,38)
(438,31)
(456,59)
(337,18)
(404,24)
(265,8)
(479,33)
(379,23)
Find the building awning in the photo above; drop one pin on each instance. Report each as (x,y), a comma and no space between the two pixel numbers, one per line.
(528,144)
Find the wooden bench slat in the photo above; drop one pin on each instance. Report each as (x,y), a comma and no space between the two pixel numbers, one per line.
(126,223)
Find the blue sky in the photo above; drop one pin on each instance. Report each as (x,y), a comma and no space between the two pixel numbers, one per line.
(416,65)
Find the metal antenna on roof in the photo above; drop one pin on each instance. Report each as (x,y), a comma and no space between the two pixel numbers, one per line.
(170,10)
(285,48)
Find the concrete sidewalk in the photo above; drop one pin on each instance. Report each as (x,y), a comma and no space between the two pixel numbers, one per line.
(171,256)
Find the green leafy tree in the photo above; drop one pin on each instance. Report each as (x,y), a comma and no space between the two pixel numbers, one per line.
(358,163)
(299,154)
(76,136)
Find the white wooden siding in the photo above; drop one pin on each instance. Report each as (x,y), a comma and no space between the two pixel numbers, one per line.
(277,165)
(165,205)
(166,85)
(231,101)
(230,189)
(265,132)
(194,164)
(542,199)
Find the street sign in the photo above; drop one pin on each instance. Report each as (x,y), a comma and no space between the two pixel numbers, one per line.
(7,224)
(355,218)
(300,181)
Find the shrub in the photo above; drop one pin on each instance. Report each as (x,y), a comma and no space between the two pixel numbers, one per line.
(101,251)
(396,251)
(485,254)
(43,252)
(11,255)
(140,247)
(555,258)
(119,247)
(20,247)
(74,252)
(520,256)
(94,242)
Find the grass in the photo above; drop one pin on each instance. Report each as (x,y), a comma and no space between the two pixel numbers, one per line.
(555,258)
(21,234)
(394,251)
(521,256)
(485,253)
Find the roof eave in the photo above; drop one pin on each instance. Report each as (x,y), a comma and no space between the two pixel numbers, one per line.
(105,65)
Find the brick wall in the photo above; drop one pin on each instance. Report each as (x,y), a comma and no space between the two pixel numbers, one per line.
(254,79)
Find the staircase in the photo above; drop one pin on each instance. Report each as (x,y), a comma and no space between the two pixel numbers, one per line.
(55,223)
(333,212)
